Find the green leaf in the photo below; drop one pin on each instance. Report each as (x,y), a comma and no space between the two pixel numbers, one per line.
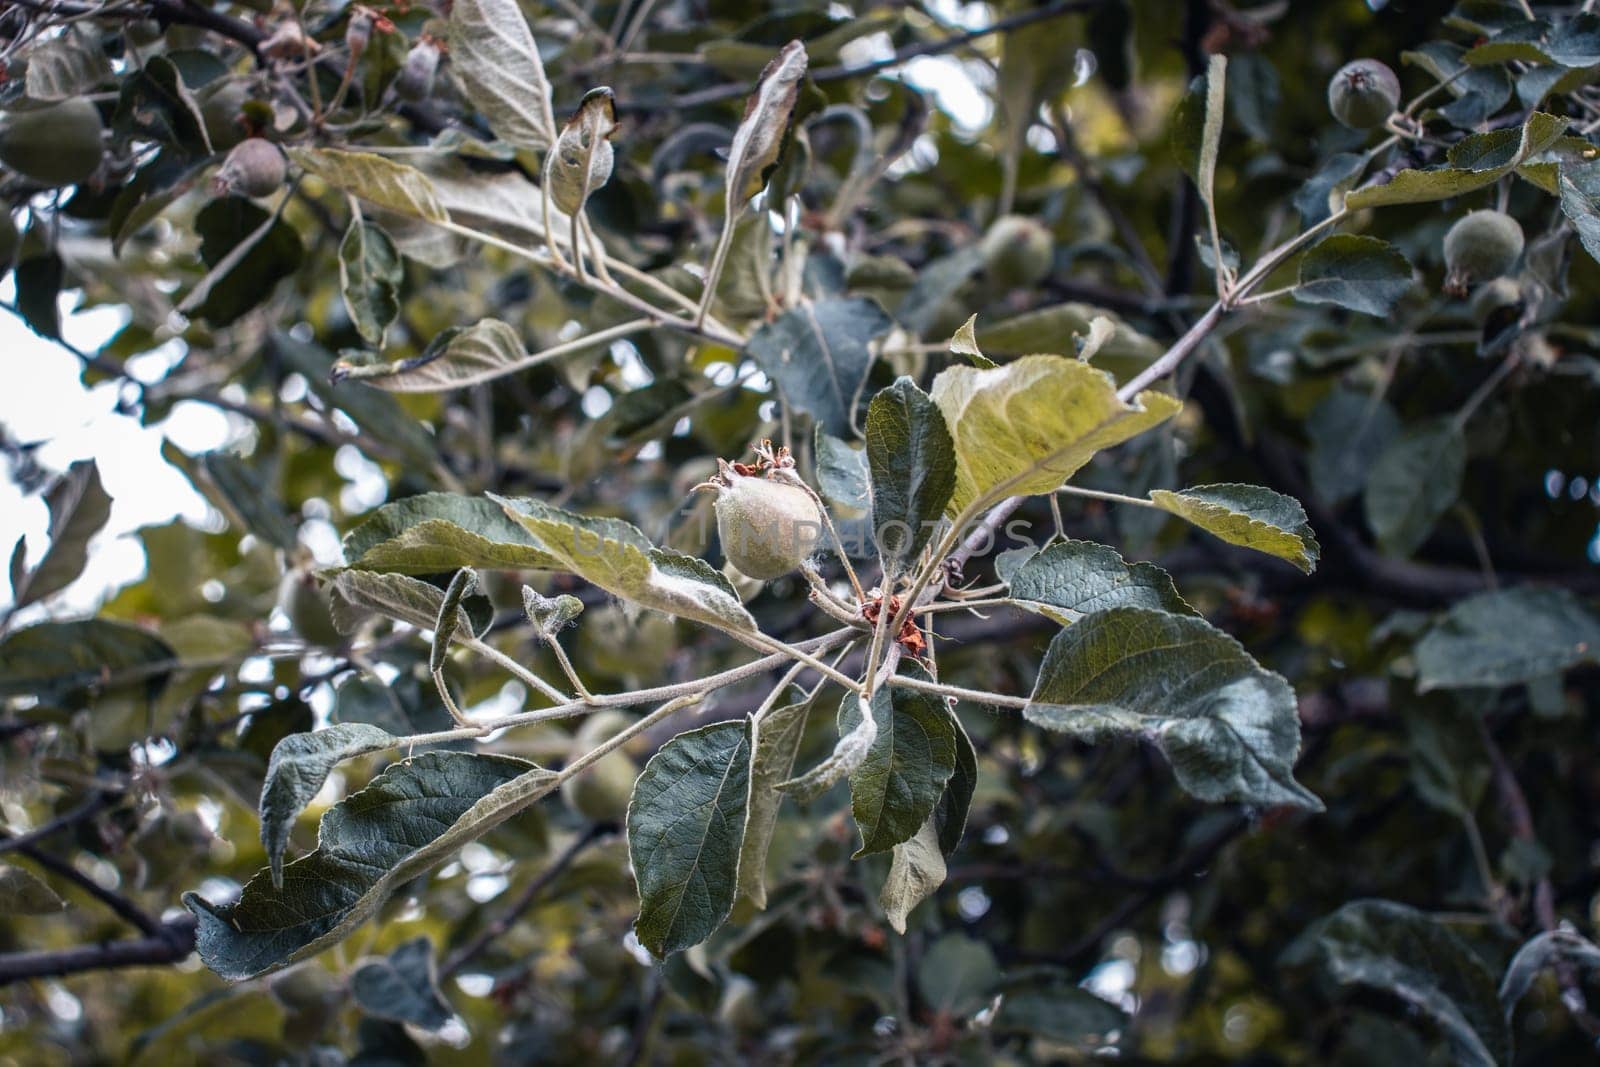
(23,894)
(247,499)
(950,816)
(937,283)
(582,159)
(154,104)
(916,871)
(300,764)
(70,662)
(360,594)
(370,273)
(912,756)
(38,282)
(775,737)
(1052,328)
(849,752)
(1026,427)
(1580,202)
(1543,951)
(1400,951)
(1449,767)
(615,556)
(376,179)
(760,134)
(1360,273)
(1211,131)
(1048,1002)
(819,356)
(686,826)
(79,507)
(965,343)
(913,471)
(1188,127)
(1414,481)
(471,355)
(1324,193)
(1348,432)
(406,821)
(492,51)
(550,615)
(65,67)
(1080,577)
(402,987)
(225,224)
(1230,729)
(1476,161)
(464,583)
(1254,93)
(1249,516)
(433,533)
(381,416)
(843,477)
(1576,41)
(1507,637)
(956,974)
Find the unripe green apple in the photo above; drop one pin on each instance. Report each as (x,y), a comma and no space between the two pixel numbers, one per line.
(601,792)
(256,167)
(221,111)
(1481,245)
(1017,252)
(308,610)
(55,145)
(1363,93)
(767,527)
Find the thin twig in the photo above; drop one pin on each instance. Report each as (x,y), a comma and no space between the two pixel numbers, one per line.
(502,923)
(98,801)
(902,55)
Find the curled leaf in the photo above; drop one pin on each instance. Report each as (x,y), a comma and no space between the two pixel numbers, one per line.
(550,614)
(461,586)
(582,159)
(766,116)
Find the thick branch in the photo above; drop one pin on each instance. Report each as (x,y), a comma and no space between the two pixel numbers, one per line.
(167,12)
(97,802)
(172,943)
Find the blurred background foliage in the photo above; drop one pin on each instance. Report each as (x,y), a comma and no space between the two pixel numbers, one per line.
(1102,906)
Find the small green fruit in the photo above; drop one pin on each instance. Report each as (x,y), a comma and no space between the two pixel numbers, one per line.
(55,145)
(415,80)
(222,112)
(768,527)
(1363,93)
(143,32)
(308,610)
(254,168)
(1480,246)
(1017,252)
(601,793)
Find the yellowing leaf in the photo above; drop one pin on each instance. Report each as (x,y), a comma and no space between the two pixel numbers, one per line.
(619,559)
(379,181)
(1026,427)
(1248,516)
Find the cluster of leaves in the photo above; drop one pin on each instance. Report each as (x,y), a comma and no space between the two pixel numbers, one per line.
(542,308)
